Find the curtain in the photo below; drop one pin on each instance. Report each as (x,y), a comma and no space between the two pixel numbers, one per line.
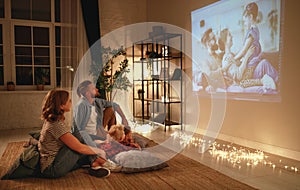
(90,13)
(73,40)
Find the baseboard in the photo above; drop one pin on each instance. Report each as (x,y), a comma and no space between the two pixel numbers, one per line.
(287,153)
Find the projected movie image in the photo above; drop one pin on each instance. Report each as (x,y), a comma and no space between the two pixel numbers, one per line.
(236,48)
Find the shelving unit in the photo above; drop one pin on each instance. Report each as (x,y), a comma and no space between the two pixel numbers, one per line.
(152,76)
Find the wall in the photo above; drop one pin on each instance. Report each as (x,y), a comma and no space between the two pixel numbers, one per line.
(22,109)
(118,13)
(272,127)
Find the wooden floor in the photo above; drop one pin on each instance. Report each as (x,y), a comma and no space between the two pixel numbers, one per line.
(181,173)
(260,177)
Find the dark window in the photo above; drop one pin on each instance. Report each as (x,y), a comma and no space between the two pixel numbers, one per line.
(23,35)
(31,10)
(57,10)
(58,77)
(24,75)
(32,55)
(57,35)
(20,9)
(1,58)
(41,10)
(40,36)
(1,8)
(41,56)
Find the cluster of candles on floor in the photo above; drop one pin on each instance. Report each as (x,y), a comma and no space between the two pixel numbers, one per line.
(237,156)
(142,128)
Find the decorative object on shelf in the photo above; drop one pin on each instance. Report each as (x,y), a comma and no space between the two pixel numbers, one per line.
(10,85)
(176,74)
(140,93)
(108,77)
(42,76)
(156,31)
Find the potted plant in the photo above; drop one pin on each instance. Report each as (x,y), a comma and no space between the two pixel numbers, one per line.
(111,78)
(42,77)
(10,85)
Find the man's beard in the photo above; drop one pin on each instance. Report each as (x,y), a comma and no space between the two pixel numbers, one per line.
(214,48)
(97,95)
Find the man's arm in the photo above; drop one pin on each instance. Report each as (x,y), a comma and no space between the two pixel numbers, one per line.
(120,112)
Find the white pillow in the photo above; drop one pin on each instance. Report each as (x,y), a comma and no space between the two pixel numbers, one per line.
(138,161)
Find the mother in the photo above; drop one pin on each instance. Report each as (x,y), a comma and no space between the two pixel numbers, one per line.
(60,151)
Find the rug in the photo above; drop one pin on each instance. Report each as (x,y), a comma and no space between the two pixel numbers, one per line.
(182,173)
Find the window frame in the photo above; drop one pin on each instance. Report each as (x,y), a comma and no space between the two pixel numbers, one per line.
(51,53)
(9,60)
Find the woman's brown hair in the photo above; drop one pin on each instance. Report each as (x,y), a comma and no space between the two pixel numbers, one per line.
(51,109)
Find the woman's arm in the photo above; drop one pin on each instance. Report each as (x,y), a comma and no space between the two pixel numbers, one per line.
(242,67)
(74,144)
(244,49)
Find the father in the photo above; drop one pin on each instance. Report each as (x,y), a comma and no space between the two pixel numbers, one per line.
(94,115)
(211,69)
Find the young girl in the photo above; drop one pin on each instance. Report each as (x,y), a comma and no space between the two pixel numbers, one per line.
(60,151)
(114,142)
(252,35)
(234,72)
(128,140)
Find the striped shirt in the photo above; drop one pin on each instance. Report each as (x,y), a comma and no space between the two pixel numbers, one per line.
(49,143)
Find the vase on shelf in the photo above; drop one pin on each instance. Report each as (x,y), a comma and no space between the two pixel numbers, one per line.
(140,94)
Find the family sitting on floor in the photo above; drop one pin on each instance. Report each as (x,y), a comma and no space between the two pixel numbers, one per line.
(93,140)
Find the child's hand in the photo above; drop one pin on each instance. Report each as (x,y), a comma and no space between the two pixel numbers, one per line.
(136,145)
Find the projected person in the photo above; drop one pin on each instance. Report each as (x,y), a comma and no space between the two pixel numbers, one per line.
(257,67)
(211,65)
(233,69)
(252,35)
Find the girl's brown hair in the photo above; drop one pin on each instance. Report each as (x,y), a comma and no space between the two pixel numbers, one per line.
(51,109)
(251,9)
